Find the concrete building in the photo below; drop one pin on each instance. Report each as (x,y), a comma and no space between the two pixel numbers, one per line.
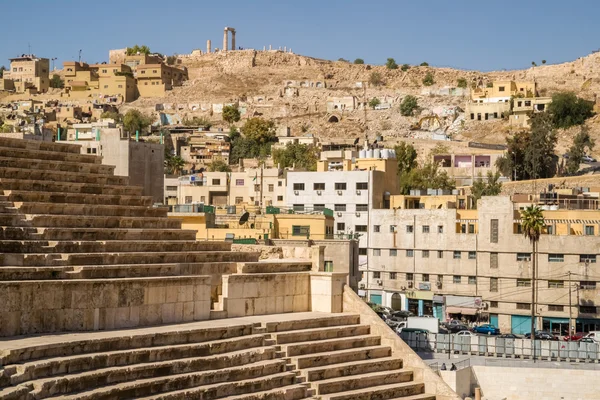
(99,80)
(524,107)
(142,162)
(27,73)
(153,80)
(476,264)
(200,149)
(466,168)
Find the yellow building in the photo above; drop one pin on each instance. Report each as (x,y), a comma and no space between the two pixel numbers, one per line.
(154,80)
(28,73)
(83,80)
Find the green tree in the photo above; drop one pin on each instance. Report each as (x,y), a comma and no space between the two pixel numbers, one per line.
(298,155)
(197,121)
(405,67)
(374,102)
(391,64)
(56,82)
(112,115)
(409,105)
(134,120)
(375,79)
(259,130)
(424,64)
(171,60)
(568,110)
(173,164)
(581,143)
(543,61)
(428,80)
(137,49)
(532,224)
(487,187)
(231,114)
(533,64)
(219,166)
(461,83)
(2,69)
(359,61)
(425,177)
(406,156)
(4,128)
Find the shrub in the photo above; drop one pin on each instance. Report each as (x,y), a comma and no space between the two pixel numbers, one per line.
(428,80)
(405,67)
(375,79)
(391,64)
(424,64)
(461,83)
(359,61)
(409,105)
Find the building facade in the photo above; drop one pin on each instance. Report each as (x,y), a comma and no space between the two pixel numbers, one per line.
(28,73)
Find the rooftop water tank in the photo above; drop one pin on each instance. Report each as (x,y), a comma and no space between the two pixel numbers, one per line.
(376,153)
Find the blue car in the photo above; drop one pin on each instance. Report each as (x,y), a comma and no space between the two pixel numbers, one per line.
(487,329)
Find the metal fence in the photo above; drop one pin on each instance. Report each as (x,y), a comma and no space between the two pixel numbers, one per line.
(501,347)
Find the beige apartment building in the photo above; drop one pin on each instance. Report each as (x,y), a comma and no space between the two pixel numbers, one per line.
(27,73)
(200,149)
(475,264)
(99,80)
(466,168)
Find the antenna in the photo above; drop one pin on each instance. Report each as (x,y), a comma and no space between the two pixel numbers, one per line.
(29,48)
(365,106)
(80,55)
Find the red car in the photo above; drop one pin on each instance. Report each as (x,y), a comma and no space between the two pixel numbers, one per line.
(573,338)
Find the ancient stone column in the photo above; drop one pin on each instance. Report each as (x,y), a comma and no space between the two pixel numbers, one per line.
(208,46)
(233,39)
(225,39)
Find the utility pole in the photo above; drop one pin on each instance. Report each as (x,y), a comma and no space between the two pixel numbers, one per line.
(262,166)
(533,303)
(570,307)
(365,107)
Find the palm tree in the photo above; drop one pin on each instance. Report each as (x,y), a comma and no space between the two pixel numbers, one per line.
(532,222)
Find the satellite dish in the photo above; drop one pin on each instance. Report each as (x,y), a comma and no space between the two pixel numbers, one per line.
(356,141)
(244,218)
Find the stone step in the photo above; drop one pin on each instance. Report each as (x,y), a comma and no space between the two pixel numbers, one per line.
(17,233)
(354,382)
(32,246)
(103,259)
(62,176)
(140,345)
(17,196)
(90,209)
(114,234)
(231,388)
(330,345)
(264,375)
(293,392)
(68,187)
(84,381)
(33,154)
(55,165)
(275,266)
(383,392)
(85,221)
(39,145)
(306,335)
(352,368)
(281,326)
(343,356)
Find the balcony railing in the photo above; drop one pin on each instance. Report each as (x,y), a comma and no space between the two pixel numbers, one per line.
(300,210)
(192,208)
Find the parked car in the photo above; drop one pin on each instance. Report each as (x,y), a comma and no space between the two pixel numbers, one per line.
(594,335)
(453,328)
(402,314)
(586,340)
(574,337)
(465,333)
(509,336)
(541,335)
(588,159)
(486,329)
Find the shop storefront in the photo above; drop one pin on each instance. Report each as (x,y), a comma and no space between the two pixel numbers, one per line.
(420,302)
(557,326)
(464,308)
(587,325)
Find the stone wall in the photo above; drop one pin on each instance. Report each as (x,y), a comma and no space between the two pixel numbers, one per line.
(510,188)
(30,307)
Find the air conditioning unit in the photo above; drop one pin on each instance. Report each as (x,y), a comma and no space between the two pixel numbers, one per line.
(439,285)
(410,284)
(379,282)
(339,214)
(318,192)
(296,192)
(358,192)
(340,192)
(361,285)
(358,214)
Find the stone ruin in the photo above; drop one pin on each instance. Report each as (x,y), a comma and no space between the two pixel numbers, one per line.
(104,297)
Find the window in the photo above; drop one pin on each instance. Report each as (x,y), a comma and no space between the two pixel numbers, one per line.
(300,230)
(339,207)
(523,256)
(298,186)
(239,182)
(556,257)
(216,181)
(493,284)
(523,282)
(456,279)
(392,228)
(362,251)
(318,186)
(589,230)
(587,309)
(360,228)
(425,228)
(425,277)
(279,198)
(471,228)
(493,260)
(501,88)
(440,228)
(376,275)
(550,230)
(553,307)
(239,200)
(425,254)
(409,229)
(472,255)
(410,277)
(409,253)
(341,226)
(472,280)
(298,207)
(319,207)
(587,258)
(328,266)
(523,306)
(393,276)
(340,186)
(456,255)
(440,254)
(463,228)
(393,252)
(171,188)
(362,207)
(494,231)
(587,285)
(377,252)
(362,186)
(279,183)
(105,86)
(556,284)
(376,228)
(271,187)
(188,199)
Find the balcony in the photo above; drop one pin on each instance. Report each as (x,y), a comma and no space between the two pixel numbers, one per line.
(192,208)
(300,210)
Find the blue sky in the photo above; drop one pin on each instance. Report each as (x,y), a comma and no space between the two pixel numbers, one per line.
(467,34)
